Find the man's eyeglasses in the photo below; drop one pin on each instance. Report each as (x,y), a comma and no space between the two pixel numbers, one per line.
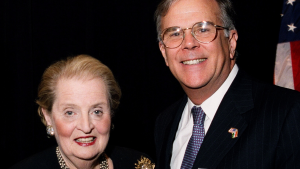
(203,32)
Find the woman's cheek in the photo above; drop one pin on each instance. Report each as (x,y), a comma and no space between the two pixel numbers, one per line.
(104,126)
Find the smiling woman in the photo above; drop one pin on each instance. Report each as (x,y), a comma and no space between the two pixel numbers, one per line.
(76,99)
(81,118)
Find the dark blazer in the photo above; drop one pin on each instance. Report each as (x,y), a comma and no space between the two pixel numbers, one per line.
(268,121)
(123,158)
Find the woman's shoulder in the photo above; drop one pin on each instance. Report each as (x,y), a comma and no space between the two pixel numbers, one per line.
(125,158)
(46,159)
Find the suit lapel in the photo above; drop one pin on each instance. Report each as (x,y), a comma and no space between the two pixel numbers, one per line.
(218,141)
(171,132)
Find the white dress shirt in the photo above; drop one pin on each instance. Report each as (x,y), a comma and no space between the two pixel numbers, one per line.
(185,128)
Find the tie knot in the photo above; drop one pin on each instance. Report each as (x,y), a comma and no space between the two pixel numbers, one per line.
(198,115)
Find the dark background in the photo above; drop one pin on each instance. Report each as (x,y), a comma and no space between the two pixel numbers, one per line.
(121,34)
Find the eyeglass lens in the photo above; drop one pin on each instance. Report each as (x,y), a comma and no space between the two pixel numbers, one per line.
(204,32)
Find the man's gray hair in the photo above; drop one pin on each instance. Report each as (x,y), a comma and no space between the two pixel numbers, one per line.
(227,14)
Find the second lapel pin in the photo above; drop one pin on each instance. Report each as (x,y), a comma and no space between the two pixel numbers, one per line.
(234,132)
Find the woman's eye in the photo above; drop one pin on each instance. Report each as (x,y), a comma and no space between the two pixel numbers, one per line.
(69,113)
(97,112)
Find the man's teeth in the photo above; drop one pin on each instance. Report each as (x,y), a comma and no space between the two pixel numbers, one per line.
(193,62)
(85,140)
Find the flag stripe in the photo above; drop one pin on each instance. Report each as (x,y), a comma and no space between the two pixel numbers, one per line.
(283,66)
(295,55)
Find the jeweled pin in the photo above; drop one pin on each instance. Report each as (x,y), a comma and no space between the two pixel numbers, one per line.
(233,132)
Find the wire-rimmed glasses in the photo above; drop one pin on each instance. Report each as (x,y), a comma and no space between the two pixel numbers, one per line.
(203,32)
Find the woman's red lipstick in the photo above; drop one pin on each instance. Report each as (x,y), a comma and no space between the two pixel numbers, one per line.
(85,141)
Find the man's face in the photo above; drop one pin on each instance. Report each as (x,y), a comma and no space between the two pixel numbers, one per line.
(196,65)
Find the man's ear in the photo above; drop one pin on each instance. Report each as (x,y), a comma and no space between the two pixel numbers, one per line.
(162,49)
(47,117)
(233,37)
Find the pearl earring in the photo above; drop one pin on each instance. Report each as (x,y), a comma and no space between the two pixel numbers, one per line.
(50,130)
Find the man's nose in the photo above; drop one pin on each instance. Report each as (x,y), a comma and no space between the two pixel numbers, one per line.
(189,41)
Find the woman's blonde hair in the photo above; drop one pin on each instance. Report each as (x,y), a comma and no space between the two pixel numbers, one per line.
(81,66)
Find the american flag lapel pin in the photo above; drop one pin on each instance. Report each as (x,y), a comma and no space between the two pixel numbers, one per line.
(233,132)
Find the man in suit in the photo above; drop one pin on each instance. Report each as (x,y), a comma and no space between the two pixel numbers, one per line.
(227,119)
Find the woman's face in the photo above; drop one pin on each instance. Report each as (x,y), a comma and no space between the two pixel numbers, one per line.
(81,118)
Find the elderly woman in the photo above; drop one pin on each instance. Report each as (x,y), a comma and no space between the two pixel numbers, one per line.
(77,98)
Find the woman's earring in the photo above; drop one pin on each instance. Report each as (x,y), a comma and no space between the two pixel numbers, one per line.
(50,130)
(112,126)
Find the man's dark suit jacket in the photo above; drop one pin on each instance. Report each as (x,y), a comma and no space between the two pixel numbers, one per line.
(268,121)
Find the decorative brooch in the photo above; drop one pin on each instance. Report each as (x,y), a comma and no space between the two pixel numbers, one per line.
(144,163)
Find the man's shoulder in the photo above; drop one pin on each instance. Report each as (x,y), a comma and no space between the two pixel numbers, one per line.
(270,91)
(262,90)
(173,108)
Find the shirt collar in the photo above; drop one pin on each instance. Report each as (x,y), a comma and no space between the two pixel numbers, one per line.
(211,104)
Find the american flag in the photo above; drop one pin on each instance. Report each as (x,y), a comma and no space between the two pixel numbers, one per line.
(287,65)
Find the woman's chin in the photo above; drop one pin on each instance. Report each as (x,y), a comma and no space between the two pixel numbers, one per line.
(88,157)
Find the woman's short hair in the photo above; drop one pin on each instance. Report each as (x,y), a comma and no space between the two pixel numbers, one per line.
(81,66)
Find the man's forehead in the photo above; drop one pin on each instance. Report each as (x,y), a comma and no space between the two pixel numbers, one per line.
(188,10)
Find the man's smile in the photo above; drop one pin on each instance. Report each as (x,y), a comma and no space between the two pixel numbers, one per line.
(193,62)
